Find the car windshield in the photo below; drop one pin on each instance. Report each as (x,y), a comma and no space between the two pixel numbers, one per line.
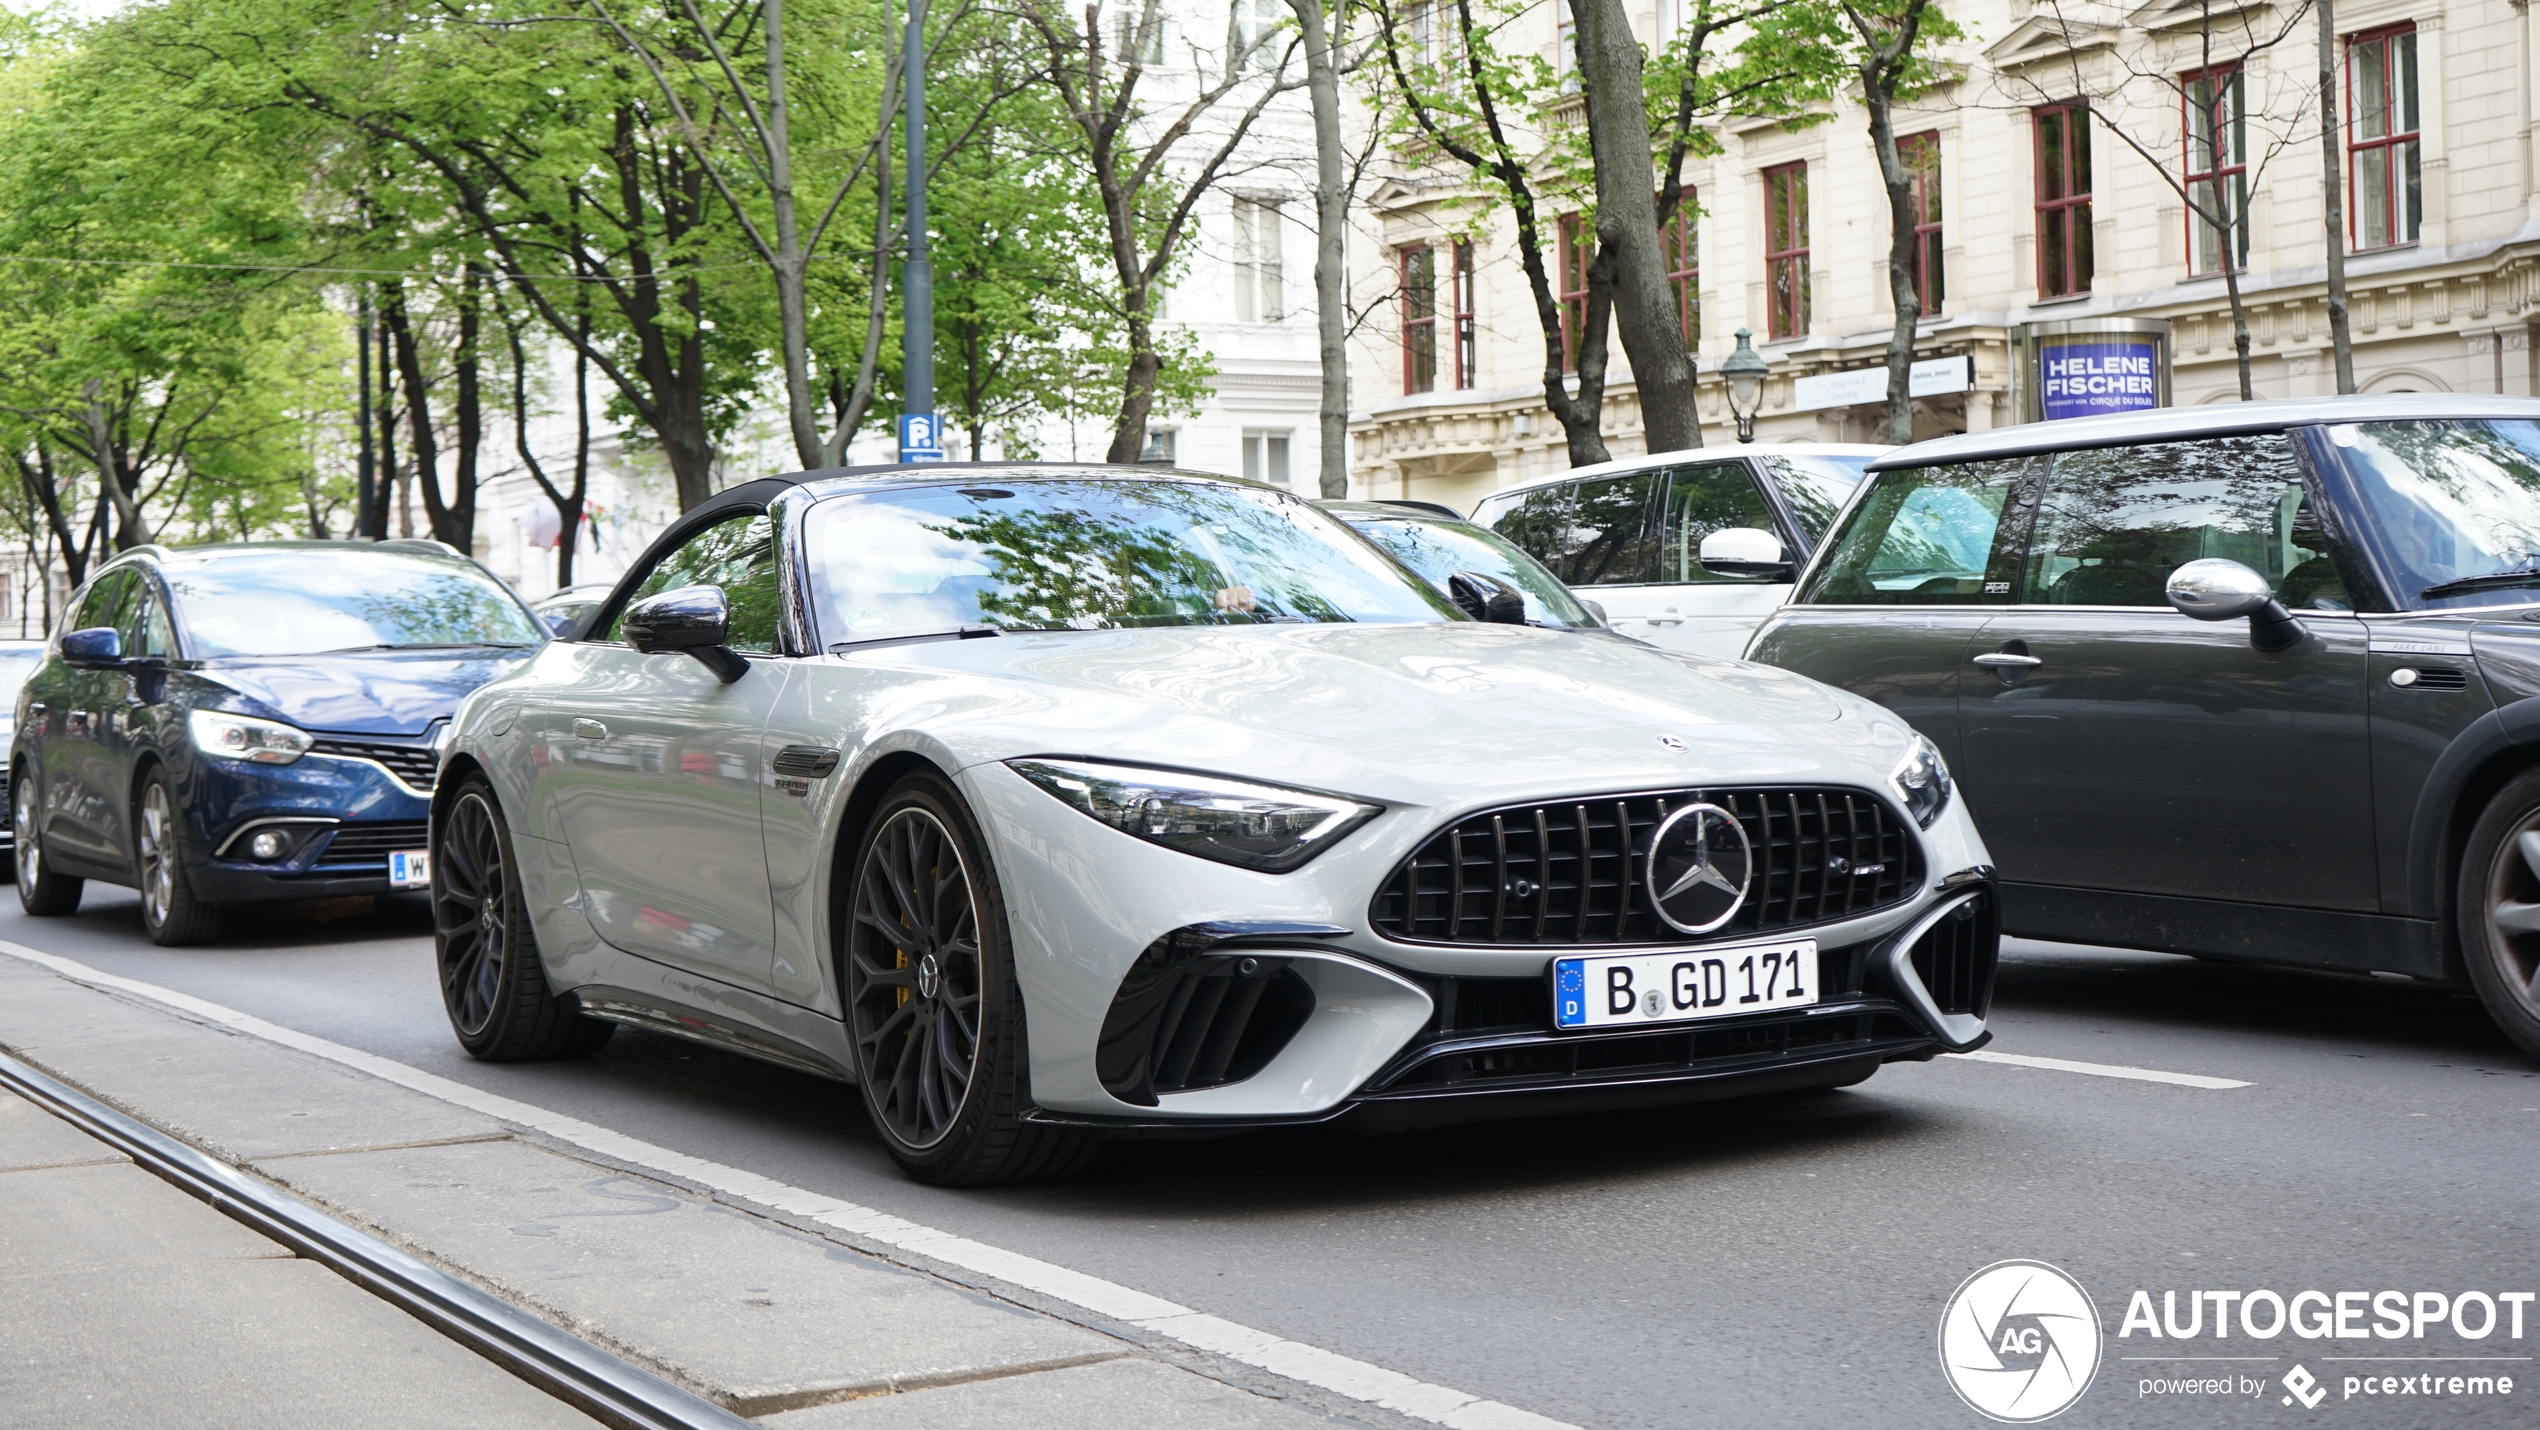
(1094,554)
(299,601)
(1923,536)
(1816,485)
(1439,549)
(2450,501)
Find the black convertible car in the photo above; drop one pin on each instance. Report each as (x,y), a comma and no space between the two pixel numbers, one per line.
(2255,682)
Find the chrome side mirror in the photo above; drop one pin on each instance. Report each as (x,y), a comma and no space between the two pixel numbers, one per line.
(2215,589)
(696,620)
(1745,551)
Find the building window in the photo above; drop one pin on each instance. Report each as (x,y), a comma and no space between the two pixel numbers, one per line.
(1920,154)
(1419,319)
(2063,200)
(1260,282)
(1680,243)
(1126,40)
(2381,138)
(1266,457)
(1565,62)
(1574,286)
(1786,250)
(1258,22)
(1467,351)
(2216,139)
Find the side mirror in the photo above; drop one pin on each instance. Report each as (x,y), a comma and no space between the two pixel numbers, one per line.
(1745,551)
(95,646)
(558,624)
(695,620)
(1597,609)
(1487,598)
(2214,589)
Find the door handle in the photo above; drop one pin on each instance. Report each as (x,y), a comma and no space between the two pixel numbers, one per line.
(1667,617)
(585,728)
(2004,660)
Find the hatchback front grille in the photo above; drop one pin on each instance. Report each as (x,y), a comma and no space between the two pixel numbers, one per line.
(373,843)
(417,765)
(1570,873)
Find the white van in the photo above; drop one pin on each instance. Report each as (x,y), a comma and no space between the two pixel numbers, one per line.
(1634,535)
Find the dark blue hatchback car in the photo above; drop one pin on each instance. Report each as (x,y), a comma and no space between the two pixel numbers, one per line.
(224,725)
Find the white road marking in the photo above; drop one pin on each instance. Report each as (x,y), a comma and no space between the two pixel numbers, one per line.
(2103,1070)
(1296,1360)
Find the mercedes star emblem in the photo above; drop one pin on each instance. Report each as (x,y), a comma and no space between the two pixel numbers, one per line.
(1698,868)
(1671,742)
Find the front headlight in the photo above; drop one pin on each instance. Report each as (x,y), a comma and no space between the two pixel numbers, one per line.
(1252,826)
(243,737)
(1923,782)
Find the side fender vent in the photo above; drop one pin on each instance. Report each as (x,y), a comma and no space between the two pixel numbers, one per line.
(2441,677)
(1190,1016)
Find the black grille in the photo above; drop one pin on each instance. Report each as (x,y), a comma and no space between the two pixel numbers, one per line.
(1571,873)
(1553,1062)
(1955,957)
(417,765)
(372,843)
(1185,1019)
(2441,677)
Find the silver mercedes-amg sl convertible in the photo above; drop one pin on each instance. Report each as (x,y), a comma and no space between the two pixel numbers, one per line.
(1044,802)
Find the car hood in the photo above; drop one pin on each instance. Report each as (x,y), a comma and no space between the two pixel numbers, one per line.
(1427,713)
(385,693)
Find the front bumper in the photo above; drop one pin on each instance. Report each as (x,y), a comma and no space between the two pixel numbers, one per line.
(342,816)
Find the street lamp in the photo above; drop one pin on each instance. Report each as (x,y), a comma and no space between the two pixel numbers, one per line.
(1744,375)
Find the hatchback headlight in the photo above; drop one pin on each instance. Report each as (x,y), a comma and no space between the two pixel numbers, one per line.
(243,737)
(1252,826)
(1923,781)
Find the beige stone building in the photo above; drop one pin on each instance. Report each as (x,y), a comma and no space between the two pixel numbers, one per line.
(2036,215)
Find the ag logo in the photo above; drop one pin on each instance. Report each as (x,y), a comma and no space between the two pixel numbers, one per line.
(2019,1341)
(1698,867)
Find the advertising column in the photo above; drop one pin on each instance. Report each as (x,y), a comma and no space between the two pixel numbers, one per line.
(2091,367)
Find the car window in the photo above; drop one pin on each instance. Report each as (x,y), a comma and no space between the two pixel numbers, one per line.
(1702,500)
(338,599)
(109,602)
(1814,486)
(1609,540)
(144,626)
(739,555)
(2116,521)
(2449,501)
(1536,522)
(1925,536)
(1439,549)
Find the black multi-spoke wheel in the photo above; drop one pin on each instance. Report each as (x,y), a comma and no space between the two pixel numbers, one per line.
(40,891)
(491,980)
(171,913)
(2499,910)
(931,1001)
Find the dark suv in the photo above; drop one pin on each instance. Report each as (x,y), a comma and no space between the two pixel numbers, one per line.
(229,724)
(2255,682)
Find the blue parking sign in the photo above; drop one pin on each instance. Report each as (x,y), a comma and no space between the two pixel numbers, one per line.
(921,437)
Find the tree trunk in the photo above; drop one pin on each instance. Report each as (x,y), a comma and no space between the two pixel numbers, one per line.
(387,474)
(1331,221)
(1137,388)
(1627,225)
(2239,314)
(454,518)
(1900,258)
(427,445)
(131,528)
(2341,339)
(792,310)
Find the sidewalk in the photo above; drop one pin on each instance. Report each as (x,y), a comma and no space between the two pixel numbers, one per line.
(126,1298)
(128,1302)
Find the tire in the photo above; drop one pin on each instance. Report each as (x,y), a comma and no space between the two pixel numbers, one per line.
(41,892)
(932,1006)
(492,983)
(2498,908)
(170,911)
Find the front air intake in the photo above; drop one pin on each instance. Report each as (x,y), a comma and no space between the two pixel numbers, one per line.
(1955,958)
(1188,1016)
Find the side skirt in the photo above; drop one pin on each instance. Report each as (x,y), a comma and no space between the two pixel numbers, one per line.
(2238,933)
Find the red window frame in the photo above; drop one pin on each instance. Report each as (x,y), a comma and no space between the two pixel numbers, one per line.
(1467,349)
(2226,116)
(2402,203)
(2060,136)
(1419,273)
(1680,243)
(1573,285)
(1920,154)
(1786,250)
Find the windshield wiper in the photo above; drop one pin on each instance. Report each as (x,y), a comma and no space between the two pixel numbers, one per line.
(425,645)
(957,633)
(2493,580)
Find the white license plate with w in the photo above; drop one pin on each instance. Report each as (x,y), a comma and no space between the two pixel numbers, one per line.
(1684,986)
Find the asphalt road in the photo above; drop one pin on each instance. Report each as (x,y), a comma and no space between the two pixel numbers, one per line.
(1777,1262)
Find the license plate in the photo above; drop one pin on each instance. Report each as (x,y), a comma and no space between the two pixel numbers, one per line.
(410,869)
(1640,989)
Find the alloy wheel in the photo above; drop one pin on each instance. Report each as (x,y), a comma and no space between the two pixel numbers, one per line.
(158,854)
(469,898)
(2513,909)
(913,978)
(30,849)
